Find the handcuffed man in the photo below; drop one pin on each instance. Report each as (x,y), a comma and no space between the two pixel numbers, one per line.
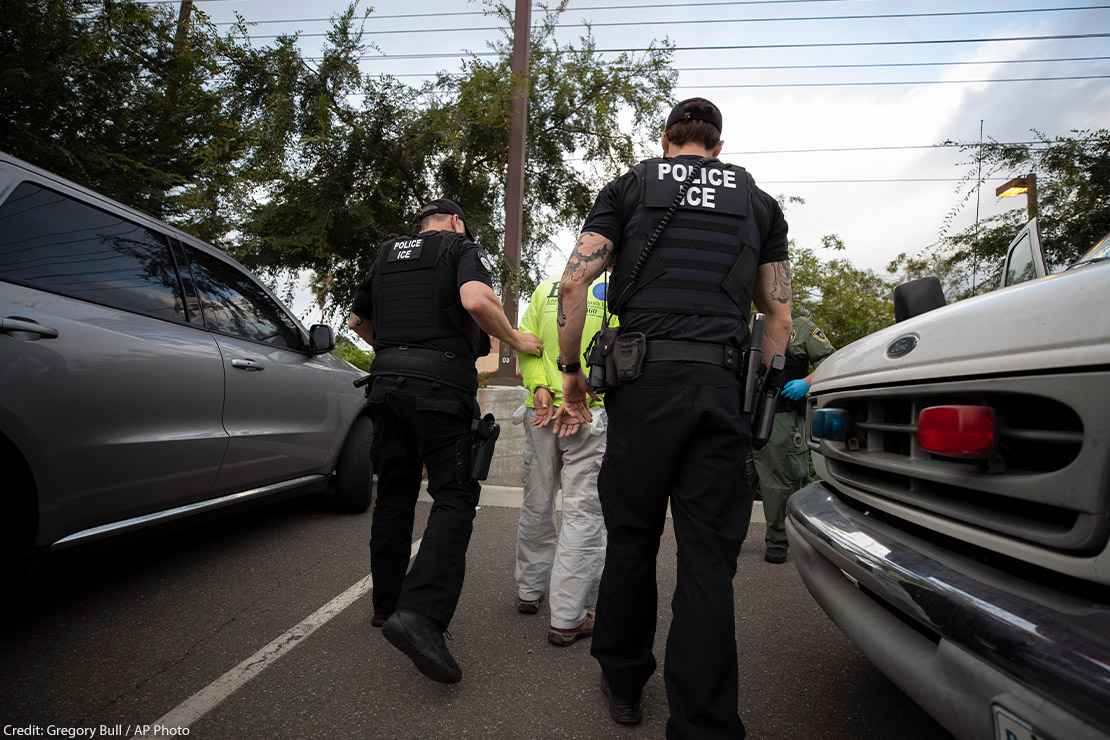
(560,456)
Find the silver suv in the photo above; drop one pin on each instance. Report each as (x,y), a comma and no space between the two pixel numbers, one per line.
(145,375)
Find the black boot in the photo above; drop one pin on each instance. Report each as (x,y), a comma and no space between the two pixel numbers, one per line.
(422,640)
(775,555)
(622,711)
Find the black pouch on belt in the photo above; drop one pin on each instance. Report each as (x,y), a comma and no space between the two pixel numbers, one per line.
(627,357)
(599,354)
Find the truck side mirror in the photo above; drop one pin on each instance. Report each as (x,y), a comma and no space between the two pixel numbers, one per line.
(321,339)
(917,297)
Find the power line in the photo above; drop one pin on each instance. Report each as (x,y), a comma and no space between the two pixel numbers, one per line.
(869,180)
(583,9)
(735,47)
(888,148)
(720,21)
(575,8)
(888,64)
(895,147)
(883,83)
(887,83)
(814,66)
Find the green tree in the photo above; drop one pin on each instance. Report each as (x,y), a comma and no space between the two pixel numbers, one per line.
(1073,180)
(369,151)
(297,164)
(847,303)
(97,92)
(347,350)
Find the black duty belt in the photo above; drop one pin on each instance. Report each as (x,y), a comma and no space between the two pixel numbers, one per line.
(676,350)
(431,364)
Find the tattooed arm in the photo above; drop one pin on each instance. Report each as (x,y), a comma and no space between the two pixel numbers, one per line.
(772,297)
(590,257)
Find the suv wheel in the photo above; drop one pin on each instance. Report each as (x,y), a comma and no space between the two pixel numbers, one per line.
(353,480)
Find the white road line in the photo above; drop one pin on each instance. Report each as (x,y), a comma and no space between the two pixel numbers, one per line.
(208,698)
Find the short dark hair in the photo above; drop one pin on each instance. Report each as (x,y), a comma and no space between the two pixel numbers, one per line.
(428,223)
(699,132)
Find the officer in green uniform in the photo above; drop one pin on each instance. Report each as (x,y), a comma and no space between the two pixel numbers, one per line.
(782,466)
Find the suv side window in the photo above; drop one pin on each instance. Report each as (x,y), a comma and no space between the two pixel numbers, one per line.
(237,306)
(59,244)
(1020,267)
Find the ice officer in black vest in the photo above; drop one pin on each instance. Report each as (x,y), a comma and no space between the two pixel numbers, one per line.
(677,433)
(427,307)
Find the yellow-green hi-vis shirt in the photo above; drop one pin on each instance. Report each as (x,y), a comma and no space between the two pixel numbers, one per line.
(542,319)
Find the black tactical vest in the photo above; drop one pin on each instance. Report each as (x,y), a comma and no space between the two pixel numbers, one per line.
(704,263)
(416,297)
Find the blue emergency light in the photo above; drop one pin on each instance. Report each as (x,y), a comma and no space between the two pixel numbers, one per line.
(830,424)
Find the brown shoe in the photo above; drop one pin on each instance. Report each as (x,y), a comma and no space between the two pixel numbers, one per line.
(564,637)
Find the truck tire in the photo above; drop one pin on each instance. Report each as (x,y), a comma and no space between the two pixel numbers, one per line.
(352,484)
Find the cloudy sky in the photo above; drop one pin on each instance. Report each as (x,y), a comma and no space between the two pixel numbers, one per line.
(877,220)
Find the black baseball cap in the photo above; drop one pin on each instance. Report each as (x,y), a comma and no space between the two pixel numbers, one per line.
(696,109)
(446,206)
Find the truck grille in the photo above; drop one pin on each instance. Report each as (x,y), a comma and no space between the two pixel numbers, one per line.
(1037,435)
(1047,483)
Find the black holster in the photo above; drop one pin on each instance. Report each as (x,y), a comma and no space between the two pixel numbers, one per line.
(764,420)
(474,454)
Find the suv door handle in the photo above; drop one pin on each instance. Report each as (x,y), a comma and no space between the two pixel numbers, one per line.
(249,365)
(18,323)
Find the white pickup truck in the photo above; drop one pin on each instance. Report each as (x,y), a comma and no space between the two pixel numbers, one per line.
(958,530)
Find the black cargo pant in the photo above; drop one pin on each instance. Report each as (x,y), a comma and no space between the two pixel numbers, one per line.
(420,422)
(675,435)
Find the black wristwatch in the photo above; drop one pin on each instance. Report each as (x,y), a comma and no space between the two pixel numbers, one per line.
(569,367)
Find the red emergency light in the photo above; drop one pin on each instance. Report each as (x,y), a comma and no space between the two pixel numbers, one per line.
(957,431)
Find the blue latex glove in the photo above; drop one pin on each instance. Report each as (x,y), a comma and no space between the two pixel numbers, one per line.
(795,390)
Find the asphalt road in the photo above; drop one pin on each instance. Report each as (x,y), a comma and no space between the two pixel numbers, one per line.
(125,631)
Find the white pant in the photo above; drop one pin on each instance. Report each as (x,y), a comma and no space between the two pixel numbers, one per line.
(574,557)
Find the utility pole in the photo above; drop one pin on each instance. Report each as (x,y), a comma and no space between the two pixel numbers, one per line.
(182,26)
(180,40)
(175,73)
(514,182)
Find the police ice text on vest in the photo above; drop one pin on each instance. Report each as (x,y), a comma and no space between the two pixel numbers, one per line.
(703,188)
(406,250)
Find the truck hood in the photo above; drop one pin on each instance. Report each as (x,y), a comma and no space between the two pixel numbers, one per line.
(1060,321)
